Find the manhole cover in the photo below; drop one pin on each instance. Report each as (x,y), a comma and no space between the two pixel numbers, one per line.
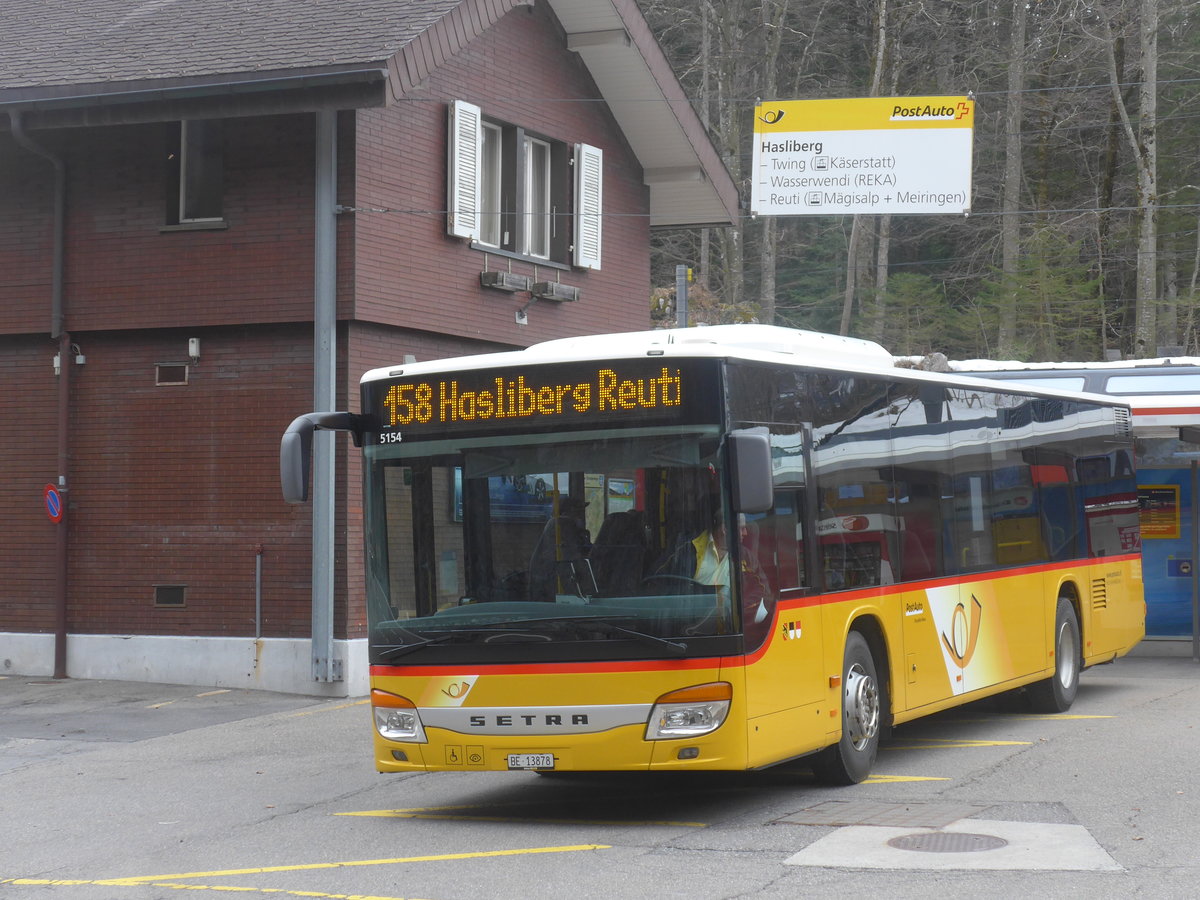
(947,842)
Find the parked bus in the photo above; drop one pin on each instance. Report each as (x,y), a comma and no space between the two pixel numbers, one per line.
(1164,396)
(723,548)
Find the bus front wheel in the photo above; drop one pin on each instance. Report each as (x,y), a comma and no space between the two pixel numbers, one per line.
(1057,693)
(849,761)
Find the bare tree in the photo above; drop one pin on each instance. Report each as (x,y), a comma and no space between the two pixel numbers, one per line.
(1010,224)
(1069,181)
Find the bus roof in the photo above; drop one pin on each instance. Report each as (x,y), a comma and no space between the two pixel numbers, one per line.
(1159,391)
(759,342)
(750,342)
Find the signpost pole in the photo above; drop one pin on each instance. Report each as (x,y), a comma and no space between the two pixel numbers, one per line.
(681,296)
(1195,560)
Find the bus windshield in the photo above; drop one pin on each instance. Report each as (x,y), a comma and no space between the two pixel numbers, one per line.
(579,547)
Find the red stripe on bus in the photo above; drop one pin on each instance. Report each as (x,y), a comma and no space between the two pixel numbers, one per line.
(608,666)
(1168,411)
(786,603)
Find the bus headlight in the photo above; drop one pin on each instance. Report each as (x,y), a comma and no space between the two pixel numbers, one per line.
(396,718)
(689,712)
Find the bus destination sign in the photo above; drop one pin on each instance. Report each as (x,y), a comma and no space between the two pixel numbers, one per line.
(551,395)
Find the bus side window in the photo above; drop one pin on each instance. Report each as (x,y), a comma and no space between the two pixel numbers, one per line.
(781,532)
(773,545)
(919,556)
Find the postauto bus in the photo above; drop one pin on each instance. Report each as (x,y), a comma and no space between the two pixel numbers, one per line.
(723,548)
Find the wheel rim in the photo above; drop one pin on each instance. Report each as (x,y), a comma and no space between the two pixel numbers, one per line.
(1068,655)
(861,707)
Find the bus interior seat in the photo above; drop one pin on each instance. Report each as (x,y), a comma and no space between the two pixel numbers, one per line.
(562,541)
(917,555)
(619,553)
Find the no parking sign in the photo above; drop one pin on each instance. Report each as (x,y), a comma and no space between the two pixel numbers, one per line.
(54,505)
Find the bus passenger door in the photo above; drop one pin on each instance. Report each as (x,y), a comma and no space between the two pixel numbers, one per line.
(993,631)
(785,671)
(923,477)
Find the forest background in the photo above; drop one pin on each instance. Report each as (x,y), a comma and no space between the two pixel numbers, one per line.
(1083,241)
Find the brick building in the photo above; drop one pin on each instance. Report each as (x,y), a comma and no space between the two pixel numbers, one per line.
(210,211)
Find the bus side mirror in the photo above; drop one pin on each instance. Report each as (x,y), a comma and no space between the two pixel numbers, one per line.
(750,464)
(295,449)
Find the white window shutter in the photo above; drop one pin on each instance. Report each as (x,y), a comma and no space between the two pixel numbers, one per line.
(589,190)
(463,170)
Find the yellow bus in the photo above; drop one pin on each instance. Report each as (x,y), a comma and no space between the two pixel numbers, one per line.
(722,549)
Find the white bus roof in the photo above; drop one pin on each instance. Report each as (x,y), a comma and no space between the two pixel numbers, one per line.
(759,342)
(1160,392)
(751,342)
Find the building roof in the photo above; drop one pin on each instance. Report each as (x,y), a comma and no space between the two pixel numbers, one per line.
(80,62)
(81,42)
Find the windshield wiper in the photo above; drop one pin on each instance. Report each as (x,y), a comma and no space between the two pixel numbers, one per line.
(392,651)
(574,624)
(675,648)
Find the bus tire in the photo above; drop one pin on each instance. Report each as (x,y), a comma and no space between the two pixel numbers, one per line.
(1057,693)
(849,761)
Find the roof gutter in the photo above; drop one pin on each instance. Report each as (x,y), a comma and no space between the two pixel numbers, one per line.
(62,371)
(195,91)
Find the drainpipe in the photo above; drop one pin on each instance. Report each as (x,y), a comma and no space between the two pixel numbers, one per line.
(57,332)
(325,667)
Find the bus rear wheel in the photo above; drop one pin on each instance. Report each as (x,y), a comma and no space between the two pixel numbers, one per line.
(1057,693)
(849,761)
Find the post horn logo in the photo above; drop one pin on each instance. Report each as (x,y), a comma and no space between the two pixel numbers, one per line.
(457,690)
(964,632)
(772,116)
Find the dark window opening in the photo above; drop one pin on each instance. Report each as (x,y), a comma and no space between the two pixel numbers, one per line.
(195,172)
(170,595)
(170,373)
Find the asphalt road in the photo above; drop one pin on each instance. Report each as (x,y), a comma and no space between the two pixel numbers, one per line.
(138,791)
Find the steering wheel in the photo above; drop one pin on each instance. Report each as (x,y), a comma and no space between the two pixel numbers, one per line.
(682,583)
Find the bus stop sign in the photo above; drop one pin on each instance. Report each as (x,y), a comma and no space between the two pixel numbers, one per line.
(54,507)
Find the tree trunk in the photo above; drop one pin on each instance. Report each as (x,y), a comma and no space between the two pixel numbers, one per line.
(1146,339)
(1143,146)
(773,22)
(1010,223)
(854,269)
(768,251)
(883,240)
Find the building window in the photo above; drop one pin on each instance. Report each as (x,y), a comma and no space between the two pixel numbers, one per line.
(491,231)
(173,596)
(538,211)
(196,172)
(170,373)
(525,195)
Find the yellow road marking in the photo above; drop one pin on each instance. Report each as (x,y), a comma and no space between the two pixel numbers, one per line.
(442,812)
(226,888)
(310,712)
(1033,717)
(172,882)
(948,744)
(213,693)
(896,779)
(347,864)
